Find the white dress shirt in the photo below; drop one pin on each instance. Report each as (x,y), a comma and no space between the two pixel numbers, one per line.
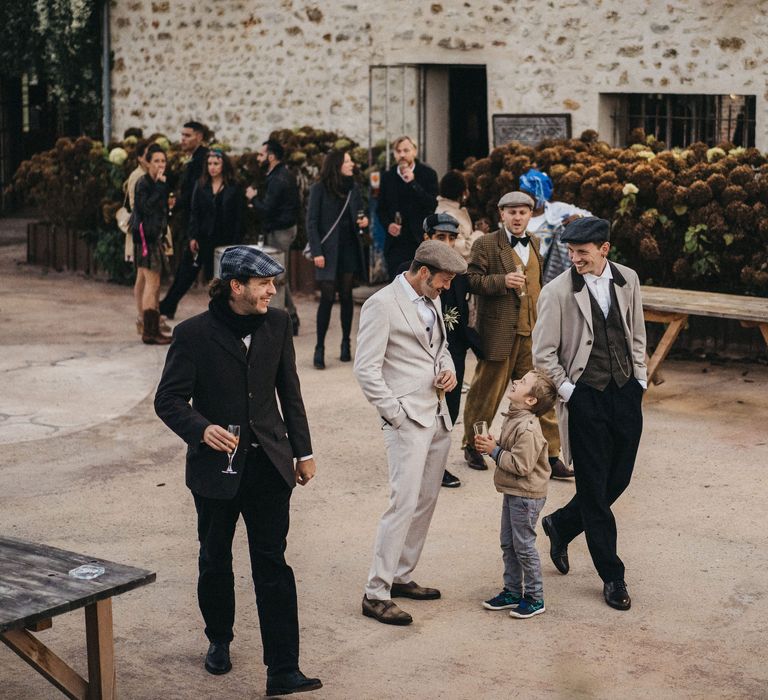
(424,307)
(523,251)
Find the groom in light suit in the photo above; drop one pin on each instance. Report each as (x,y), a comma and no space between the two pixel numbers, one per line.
(404,368)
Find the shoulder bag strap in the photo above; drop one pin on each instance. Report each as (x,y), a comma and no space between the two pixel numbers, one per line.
(338,218)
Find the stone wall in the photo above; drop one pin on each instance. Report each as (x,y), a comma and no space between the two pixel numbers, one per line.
(248,67)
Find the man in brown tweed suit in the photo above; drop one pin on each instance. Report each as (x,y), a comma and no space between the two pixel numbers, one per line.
(505,271)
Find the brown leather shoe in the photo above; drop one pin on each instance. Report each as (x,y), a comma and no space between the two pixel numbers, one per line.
(474,459)
(385,611)
(413,590)
(560,471)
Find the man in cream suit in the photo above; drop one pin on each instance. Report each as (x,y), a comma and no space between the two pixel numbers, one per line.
(590,338)
(404,368)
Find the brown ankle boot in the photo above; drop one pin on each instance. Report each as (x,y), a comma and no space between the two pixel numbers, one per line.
(152,334)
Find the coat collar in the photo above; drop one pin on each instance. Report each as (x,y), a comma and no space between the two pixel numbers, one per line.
(408,308)
(223,336)
(578,280)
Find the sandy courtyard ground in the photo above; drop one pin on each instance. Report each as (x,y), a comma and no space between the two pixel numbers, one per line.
(87,466)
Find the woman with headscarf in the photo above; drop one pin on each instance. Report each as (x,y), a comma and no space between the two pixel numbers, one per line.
(548,222)
(335,216)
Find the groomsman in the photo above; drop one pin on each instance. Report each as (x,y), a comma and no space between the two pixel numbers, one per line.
(404,368)
(590,338)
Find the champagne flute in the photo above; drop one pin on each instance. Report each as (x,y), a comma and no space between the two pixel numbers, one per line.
(360,216)
(235,430)
(520,269)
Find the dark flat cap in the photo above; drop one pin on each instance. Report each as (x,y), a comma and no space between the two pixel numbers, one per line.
(587,229)
(441,257)
(441,222)
(516,199)
(248,261)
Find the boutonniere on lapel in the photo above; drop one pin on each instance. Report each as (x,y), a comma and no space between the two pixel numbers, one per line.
(450,317)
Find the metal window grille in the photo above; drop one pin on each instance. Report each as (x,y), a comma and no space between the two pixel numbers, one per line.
(680,120)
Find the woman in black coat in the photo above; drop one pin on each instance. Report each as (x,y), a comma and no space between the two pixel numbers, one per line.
(335,217)
(149,224)
(216,217)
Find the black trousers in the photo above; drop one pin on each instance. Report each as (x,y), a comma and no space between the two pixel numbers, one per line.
(263,500)
(186,274)
(453,398)
(604,430)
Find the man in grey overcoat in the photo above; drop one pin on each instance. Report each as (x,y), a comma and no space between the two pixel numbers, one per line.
(404,368)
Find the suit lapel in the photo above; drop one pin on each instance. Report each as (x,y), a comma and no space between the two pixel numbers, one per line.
(505,251)
(581,294)
(226,338)
(263,342)
(408,309)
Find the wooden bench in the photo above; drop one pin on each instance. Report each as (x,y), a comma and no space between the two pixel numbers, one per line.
(35,586)
(673,306)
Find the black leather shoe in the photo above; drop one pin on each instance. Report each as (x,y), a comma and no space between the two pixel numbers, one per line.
(474,459)
(346,351)
(217,659)
(558,550)
(450,481)
(559,470)
(289,683)
(616,595)
(318,361)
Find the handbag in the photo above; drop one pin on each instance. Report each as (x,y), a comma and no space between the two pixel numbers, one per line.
(123,217)
(307,252)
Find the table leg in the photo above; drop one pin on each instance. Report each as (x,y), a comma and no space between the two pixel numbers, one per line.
(101,650)
(46,663)
(676,324)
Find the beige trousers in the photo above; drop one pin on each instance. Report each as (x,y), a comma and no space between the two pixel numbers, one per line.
(489,385)
(416,457)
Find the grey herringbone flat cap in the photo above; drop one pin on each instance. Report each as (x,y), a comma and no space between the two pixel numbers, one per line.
(516,199)
(440,257)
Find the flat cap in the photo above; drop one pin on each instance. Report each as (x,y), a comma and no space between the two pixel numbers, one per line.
(248,261)
(587,229)
(441,257)
(441,222)
(516,199)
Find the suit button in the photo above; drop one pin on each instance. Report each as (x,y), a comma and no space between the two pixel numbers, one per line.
(581,369)
(250,394)
(430,345)
(589,342)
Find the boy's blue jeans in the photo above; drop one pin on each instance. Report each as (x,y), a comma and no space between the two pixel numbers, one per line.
(522,566)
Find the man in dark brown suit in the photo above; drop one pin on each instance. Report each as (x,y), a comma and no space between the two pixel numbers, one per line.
(505,271)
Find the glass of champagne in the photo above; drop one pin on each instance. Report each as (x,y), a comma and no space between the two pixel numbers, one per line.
(360,217)
(520,269)
(235,430)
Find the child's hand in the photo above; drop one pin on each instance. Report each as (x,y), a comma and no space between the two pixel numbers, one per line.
(485,443)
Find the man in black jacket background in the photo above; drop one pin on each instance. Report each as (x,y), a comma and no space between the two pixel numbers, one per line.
(235,361)
(192,143)
(278,209)
(408,195)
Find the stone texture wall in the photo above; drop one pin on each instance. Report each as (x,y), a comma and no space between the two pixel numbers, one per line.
(246,67)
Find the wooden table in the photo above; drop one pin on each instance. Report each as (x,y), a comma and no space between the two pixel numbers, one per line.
(673,306)
(35,586)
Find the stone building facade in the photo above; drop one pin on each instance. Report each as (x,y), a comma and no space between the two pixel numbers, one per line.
(373,68)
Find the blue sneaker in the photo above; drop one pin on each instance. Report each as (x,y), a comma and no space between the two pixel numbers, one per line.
(528,608)
(503,601)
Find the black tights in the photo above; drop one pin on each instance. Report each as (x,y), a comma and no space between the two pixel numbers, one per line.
(327,294)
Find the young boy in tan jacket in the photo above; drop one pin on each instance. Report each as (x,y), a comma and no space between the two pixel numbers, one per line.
(522,474)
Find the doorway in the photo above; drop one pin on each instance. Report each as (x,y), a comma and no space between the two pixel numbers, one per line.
(445,107)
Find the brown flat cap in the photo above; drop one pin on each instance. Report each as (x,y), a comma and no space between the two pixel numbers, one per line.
(441,257)
(516,199)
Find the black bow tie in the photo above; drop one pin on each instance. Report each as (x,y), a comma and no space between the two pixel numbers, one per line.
(522,240)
